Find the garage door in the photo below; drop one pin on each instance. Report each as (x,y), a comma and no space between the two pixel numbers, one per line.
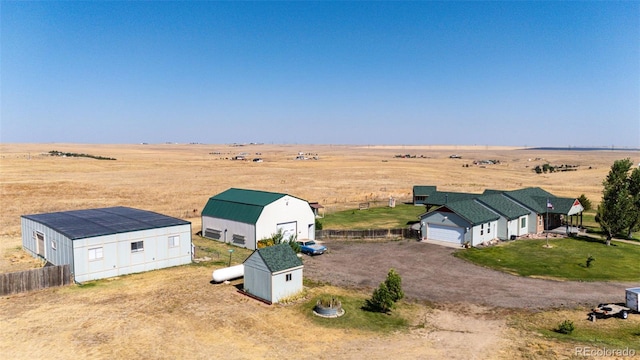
(288,229)
(445,233)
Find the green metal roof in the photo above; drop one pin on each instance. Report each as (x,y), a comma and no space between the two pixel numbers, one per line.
(443,198)
(533,197)
(239,204)
(279,257)
(471,211)
(422,190)
(503,206)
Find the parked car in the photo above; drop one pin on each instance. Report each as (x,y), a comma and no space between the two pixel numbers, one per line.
(310,247)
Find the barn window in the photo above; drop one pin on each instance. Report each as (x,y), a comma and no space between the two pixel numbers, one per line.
(174,241)
(95,254)
(137,246)
(288,277)
(238,239)
(523,222)
(488,228)
(481,229)
(53,245)
(212,233)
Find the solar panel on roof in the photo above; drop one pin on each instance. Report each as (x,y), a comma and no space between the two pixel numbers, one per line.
(80,224)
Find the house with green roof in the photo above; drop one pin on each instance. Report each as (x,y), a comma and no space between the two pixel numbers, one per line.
(242,217)
(550,211)
(466,217)
(460,222)
(514,218)
(273,273)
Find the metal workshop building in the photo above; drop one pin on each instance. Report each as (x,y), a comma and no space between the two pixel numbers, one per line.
(243,217)
(107,242)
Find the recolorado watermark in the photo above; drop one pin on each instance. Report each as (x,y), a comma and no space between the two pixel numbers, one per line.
(587,351)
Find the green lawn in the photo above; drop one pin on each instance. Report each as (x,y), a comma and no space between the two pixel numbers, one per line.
(565,260)
(589,222)
(383,217)
(612,332)
(357,318)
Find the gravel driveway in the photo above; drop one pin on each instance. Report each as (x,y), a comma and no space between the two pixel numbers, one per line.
(431,272)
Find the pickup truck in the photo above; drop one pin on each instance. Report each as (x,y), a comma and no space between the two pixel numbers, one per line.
(310,247)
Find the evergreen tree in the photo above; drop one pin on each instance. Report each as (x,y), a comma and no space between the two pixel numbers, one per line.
(394,285)
(381,300)
(586,203)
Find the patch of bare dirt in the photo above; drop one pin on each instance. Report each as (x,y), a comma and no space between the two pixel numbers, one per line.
(430,272)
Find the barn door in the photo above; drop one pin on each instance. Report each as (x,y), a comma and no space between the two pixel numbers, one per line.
(40,240)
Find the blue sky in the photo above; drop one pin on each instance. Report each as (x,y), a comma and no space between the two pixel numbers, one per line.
(410,73)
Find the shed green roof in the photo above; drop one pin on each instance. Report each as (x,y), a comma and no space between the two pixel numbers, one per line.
(423,190)
(279,257)
(503,206)
(472,212)
(239,204)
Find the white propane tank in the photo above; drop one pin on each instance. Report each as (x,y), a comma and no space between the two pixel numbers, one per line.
(228,273)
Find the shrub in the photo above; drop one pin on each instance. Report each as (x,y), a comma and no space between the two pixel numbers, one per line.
(394,285)
(590,259)
(565,327)
(381,300)
(387,294)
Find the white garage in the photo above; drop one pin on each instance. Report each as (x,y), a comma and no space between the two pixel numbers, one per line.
(243,217)
(460,222)
(452,234)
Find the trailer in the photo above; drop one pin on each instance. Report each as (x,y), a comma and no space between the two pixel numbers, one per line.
(632,296)
(621,310)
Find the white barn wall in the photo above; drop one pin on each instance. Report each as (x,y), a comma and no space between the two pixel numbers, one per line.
(231,227)
(284,210)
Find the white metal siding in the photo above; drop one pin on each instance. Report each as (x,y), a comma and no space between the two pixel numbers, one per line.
(63,253)
(229,228)
(287,209)
(119,260)
(257,277)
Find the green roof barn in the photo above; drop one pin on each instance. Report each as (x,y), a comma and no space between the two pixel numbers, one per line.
(242,217)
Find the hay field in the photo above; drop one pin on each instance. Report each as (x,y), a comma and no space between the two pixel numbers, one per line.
(177,180)
(176,313)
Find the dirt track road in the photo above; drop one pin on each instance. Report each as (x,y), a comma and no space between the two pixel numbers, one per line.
(430,272)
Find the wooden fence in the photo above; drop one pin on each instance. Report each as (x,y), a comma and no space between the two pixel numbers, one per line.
(35,279)
(405,233)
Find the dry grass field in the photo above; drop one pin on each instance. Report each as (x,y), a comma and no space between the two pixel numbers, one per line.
(176,313)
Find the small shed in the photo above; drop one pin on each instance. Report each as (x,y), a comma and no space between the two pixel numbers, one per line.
(107,242)
(273,273)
